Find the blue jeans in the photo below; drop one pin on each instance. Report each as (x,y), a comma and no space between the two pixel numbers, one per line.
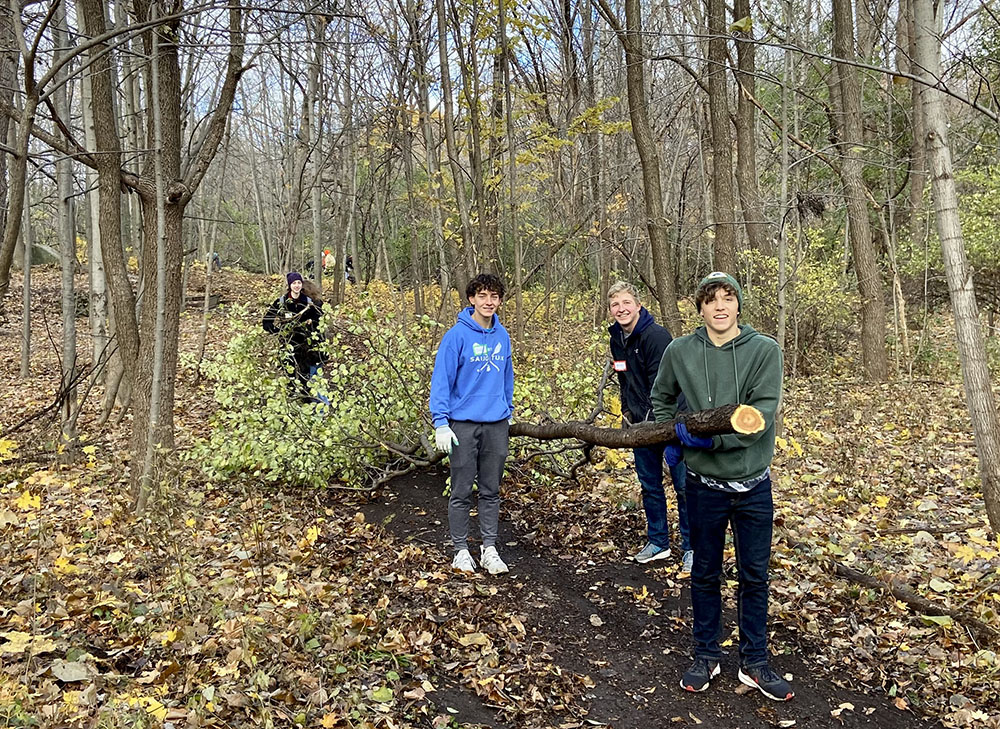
(313,371)
(649,467)
(751,515)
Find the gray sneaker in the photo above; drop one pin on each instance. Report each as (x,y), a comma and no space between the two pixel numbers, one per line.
(651,552)
(687,561)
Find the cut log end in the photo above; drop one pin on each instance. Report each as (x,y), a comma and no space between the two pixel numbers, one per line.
(747,420)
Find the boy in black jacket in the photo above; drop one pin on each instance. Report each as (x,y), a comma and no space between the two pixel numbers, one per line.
(637,344)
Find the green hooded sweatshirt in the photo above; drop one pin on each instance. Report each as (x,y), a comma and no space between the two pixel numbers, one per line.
(748,370)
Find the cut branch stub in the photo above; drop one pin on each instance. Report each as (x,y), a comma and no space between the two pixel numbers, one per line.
(744,419)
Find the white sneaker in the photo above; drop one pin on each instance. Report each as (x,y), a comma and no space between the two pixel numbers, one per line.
(463,561)
(491,561)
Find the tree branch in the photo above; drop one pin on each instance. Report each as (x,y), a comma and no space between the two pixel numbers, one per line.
(716,421)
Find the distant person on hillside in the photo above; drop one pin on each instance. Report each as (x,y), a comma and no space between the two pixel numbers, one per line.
(328,261)
(349,270)
(472,397)
(728,477)
(216,262)
(637,344)
(295,318)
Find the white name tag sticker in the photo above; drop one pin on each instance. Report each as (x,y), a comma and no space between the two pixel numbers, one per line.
(620,365)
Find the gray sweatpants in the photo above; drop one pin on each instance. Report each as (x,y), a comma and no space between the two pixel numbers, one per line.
(478,458)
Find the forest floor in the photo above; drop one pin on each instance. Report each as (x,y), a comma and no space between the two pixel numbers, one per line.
(233,604)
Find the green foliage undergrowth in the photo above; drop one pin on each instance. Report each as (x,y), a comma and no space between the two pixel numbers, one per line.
(377,380)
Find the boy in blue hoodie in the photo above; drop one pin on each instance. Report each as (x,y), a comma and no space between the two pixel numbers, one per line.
(472,398)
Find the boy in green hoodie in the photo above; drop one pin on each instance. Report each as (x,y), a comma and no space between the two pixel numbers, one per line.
(728,476)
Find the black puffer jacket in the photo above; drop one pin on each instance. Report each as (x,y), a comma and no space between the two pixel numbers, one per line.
(297,322)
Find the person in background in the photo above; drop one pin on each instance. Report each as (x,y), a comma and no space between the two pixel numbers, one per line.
(295,318)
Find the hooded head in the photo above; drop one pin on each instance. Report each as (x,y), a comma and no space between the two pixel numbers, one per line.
(712,283)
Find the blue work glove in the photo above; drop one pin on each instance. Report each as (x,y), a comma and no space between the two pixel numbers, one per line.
(691,441)
(673,454)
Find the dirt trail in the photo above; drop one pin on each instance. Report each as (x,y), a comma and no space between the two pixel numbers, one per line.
(627,627)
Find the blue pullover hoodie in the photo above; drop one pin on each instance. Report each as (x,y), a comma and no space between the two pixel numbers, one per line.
(473,375)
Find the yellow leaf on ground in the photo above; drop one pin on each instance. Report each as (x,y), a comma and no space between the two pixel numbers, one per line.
(154,708)
(64,567)
(18,642)
(7,449)
(170,636)
(28,501)
(475,639)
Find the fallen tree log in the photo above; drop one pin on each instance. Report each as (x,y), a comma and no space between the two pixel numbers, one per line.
(983,633)
(743,419)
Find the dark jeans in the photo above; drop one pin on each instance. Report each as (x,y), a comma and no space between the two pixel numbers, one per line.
(751,515)
(649,467)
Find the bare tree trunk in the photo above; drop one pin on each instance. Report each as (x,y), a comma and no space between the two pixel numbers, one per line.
(98,284)
(918,154)
(746,133)
(971,348)
(412,232)
(163,210)
(866,266)
(435,186)
(258,204)
(512,230)
(109,220)
(210,255)
(160,245)
(27,245)
(469,66)
(724,204)
(67,236)
(649,159)
(8,80)
(19,169)
(457,173)
(785,206)
(314,121)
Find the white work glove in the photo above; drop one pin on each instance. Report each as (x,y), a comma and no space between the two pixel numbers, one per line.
(444,437)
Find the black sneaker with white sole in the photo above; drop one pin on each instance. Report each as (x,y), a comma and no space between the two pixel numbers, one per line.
(767,681)
(700,674)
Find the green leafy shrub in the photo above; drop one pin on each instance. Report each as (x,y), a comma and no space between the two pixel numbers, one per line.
(377,379)
(822,304)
